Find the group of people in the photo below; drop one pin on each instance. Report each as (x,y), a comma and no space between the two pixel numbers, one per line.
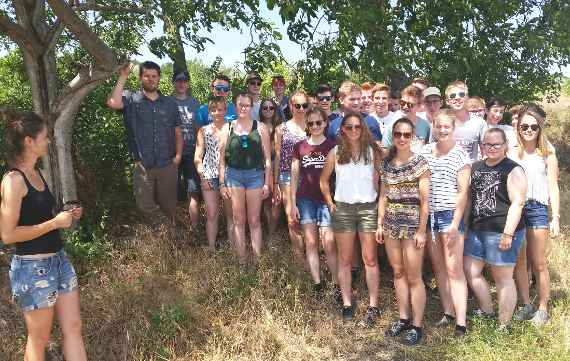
(399,170)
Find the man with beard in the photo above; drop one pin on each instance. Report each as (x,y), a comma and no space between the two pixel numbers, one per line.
(154,139)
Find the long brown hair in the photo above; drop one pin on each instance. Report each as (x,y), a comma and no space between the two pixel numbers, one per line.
(275,119)
(344,155)
(392,152)
(535,111)
(18,126)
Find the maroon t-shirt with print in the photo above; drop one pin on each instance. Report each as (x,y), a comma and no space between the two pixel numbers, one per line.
(311,163)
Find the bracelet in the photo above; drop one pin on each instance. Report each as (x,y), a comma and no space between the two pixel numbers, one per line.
(507,235)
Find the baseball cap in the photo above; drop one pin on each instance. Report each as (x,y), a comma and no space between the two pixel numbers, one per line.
(431,91)
(181,75)
(252,76)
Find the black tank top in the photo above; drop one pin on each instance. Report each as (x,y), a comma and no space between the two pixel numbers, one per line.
(489,196)
(37,207)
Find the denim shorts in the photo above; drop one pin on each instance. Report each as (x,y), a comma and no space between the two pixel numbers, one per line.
(284,178)
(484,246)
(441,221)
(244,178)
(214,183)
(36,283)
(313,212)
(190,174)
(535,215)
(362,217)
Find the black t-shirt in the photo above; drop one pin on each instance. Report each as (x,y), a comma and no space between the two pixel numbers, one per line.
(489,196)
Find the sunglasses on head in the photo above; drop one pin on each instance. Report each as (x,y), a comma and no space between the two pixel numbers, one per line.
(405,135)
(457,95)
(533,127)
(324,98)
(222,88)
(405,104)
(301,105)
(255,82)
(353,127)
(243,141)
(268,107)
(317,124)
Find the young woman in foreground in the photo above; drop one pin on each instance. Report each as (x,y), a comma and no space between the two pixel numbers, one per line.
(402,217)
(44,283)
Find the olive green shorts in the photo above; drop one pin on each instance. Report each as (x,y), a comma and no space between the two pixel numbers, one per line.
(361,217)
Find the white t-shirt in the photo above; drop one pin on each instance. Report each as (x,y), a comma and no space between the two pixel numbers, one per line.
(444,170)
(384,122)
(469,135)
(510,133)
(355,181)
(255,110)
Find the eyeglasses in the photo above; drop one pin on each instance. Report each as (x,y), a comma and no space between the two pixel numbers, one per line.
(316,124)
(268,107)
(244,106)
(222,88)
(298,106)
(533,127)
(405,104)
(493,145)
(353,127)
(243,141)
(324,98)
(255,82)
(406,135)
(457,95)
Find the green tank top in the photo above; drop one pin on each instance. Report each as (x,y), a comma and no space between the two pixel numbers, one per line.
(244,151)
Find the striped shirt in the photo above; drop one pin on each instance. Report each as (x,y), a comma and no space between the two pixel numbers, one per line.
(444,170)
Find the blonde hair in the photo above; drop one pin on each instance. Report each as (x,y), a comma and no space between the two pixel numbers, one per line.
(347,87)
(381,87)
(456,84)
(542,143)
(445,115)
(412,91)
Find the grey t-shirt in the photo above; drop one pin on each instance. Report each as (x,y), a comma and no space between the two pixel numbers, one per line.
(188,109)
(469,135)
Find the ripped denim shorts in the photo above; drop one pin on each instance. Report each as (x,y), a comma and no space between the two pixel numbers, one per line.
(36,283)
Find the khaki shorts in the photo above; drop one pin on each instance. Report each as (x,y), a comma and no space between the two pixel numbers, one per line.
(361,217)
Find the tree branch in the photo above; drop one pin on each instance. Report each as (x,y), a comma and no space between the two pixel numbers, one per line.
(18,34)
(53,35)
(97,7)
(103,55)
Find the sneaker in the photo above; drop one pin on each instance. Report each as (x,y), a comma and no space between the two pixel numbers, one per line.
(460,331)
(524,313)
(412,337)
(480,313)
(347,313)
(337,295)
(540,318)
(396,328)
(445,321)
(369,319)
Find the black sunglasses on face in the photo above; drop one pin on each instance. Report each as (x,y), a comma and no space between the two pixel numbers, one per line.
(324,98)
(533,127)
(406,135)
(222,88)
(301,105)
(353,127)
(405,104)
(317,124)
(254,82)
(268,107)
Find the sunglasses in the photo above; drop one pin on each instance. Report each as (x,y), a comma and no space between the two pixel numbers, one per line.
(222,88)
(243,141)
(533,127)
(493,145)
(405,104)
(353,127)
(324,98)
(317,124)
(268,107)
(301,105)
(405,135)
(457,95)
(255,82)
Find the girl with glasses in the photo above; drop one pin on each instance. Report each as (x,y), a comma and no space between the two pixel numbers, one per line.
(286,136)
(308,206)
(495,228)
(207,160)
(450,169)
(402,217)
(43,280)
(355,161)
(268,115)
(538,158)
(245,173)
